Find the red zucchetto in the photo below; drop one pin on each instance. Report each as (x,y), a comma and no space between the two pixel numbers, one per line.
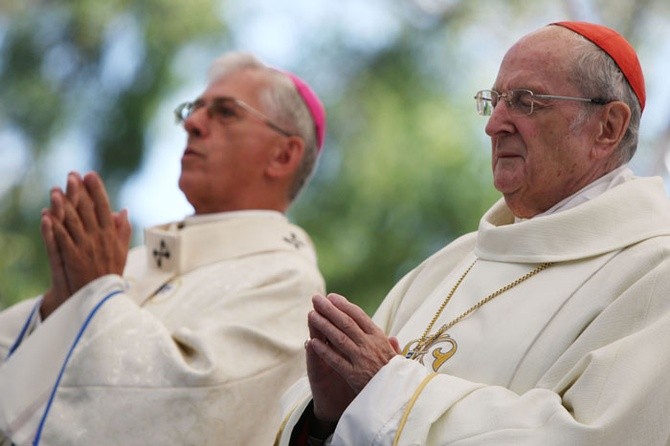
(618,48)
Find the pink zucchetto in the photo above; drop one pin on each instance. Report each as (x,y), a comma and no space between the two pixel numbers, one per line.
(314,105)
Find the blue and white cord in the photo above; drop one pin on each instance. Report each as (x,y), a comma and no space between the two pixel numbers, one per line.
(40,427)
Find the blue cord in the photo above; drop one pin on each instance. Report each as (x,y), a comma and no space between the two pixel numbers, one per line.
(38,434)
(23,331)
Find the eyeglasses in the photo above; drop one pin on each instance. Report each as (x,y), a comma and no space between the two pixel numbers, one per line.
(226,109)
(520,102)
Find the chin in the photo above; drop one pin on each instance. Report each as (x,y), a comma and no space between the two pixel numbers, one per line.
(183,185)
(505,188)
(508,182)
(188,188)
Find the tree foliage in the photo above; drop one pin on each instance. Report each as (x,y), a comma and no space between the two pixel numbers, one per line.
(408,179)
(406,164)
(94,68)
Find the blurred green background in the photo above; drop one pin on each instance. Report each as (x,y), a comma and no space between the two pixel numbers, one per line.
(90,85)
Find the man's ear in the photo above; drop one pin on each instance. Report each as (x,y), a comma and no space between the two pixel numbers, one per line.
(612,127)
(286,157)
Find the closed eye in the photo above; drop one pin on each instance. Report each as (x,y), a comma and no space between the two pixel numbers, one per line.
(224,108)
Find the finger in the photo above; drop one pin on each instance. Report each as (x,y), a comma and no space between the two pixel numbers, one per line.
(314,361)
(334,326)
(395,344)
(313,334)
(331,357)
(59,279)
(71,223)
(98,194)
(355,312)
(74,265)
(85,208)
(122,225)
(76,195)
(313,331)
(339,319)
(66,247)
(56,204)
(46,228)
(74,186)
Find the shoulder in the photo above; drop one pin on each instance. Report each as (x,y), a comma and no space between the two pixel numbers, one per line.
(412,289)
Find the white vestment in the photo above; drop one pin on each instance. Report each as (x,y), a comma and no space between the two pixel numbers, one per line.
(193,346)
(578,354)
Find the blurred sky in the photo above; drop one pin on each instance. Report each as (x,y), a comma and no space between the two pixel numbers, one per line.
(280,35)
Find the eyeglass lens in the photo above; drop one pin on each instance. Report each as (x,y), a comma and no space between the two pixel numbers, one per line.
(223,108)
(518,101)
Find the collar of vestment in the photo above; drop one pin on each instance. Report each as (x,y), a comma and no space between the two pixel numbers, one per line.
(197,219)
(614,178)
(177,248)
(629,213)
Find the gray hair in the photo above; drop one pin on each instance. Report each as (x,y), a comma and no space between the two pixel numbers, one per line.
(597,76)
(283,104)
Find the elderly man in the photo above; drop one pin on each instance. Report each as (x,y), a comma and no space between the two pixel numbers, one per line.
(548,326)
(204,331)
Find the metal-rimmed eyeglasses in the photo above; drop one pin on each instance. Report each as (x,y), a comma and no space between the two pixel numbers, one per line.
(520,101)
(226,109)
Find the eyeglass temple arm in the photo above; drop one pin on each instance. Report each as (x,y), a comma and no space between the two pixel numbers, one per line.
(571,98)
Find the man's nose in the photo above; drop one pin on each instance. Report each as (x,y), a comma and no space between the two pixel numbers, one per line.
(500,119)
(197,123)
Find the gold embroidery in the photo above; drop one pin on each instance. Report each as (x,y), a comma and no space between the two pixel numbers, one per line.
(418,348)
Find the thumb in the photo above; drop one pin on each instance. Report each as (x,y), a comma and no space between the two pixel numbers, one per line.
(395,344)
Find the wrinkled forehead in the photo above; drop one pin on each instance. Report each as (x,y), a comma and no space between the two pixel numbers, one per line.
(246,84)
(541,58)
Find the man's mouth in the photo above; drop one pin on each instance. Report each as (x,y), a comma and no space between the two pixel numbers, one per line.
(192,151)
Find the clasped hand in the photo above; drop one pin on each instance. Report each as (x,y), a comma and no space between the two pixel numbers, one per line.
(345,351)
(84,239)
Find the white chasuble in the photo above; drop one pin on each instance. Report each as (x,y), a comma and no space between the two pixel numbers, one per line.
(193,345)
(575,354)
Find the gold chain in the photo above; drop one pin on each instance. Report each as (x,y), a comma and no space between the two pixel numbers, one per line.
(426,340)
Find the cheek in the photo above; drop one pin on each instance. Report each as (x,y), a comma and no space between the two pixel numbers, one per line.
(556,157)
